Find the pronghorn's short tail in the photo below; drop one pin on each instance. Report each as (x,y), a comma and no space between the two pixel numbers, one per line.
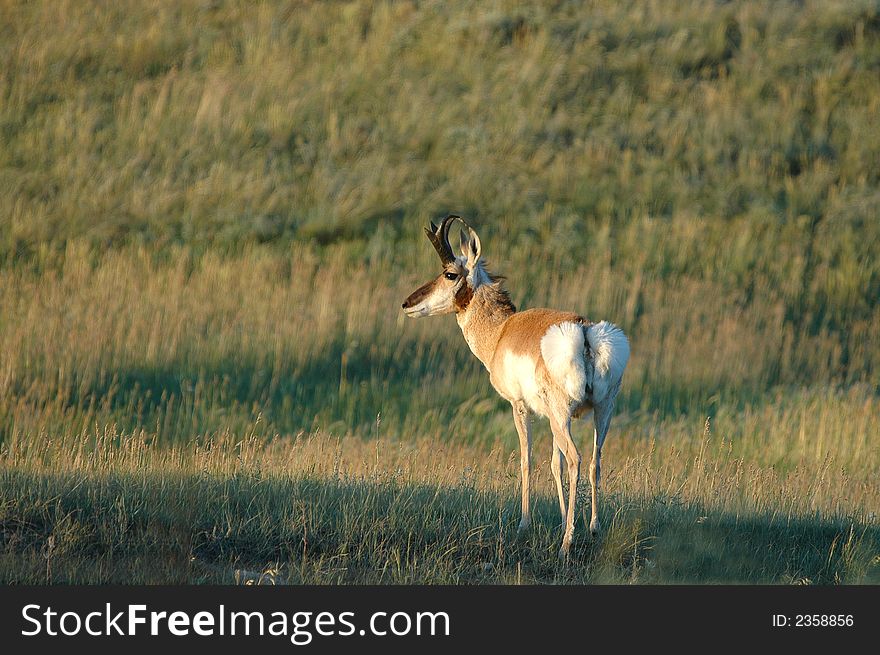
(610,353)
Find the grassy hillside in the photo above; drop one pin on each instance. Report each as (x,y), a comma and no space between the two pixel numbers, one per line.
(731,143)
(213,122)
(210,213)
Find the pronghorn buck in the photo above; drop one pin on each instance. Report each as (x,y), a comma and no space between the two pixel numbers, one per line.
(546,362)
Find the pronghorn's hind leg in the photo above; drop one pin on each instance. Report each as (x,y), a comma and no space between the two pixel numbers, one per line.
(594,483)
(562,437)
(601,420)
(556,468)
(522,419)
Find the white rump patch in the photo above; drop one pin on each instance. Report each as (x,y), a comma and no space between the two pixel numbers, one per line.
(610,351)
(562,348)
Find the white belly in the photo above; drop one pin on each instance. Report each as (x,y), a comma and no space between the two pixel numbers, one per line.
(516,380)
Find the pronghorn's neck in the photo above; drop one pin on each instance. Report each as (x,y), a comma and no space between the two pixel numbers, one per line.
(482,318)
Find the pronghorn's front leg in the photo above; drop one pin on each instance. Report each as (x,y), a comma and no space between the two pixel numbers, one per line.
(522,419)
(562,436)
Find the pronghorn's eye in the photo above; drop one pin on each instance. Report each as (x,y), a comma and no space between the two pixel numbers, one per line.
(451,276)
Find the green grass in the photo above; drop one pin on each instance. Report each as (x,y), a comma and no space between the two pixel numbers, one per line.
(210,214)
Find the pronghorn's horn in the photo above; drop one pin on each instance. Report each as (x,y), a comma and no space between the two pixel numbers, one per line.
(439,237)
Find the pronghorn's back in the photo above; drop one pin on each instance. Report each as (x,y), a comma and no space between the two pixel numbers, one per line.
(522,332)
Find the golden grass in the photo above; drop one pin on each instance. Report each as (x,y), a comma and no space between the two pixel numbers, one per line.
(256,387)
(323,508)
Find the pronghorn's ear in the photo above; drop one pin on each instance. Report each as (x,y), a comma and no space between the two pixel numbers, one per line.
(470,246)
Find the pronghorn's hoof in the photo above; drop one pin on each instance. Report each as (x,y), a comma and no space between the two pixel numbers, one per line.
(595,528)
(523,527)
(563,551)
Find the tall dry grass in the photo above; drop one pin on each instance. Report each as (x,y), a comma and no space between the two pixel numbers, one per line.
(183,345)
(274,413)
(111,507)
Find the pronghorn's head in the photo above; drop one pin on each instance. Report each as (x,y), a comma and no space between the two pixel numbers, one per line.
(452,290)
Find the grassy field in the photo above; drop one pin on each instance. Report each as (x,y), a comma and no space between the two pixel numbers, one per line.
(211,212)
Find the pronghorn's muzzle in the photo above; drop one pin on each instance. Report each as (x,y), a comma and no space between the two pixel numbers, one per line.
(415,305)
(419,301)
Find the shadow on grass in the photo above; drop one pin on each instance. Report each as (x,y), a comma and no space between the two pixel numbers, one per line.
(344,383)
(166,527)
